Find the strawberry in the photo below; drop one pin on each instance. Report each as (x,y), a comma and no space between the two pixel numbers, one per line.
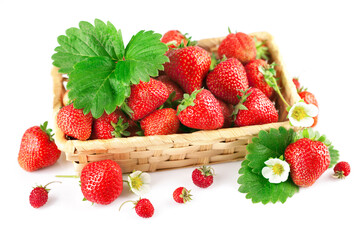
(175,37)
(309,98)
(297,83)
(341,170)
(39,195)
(74,123)
(203,176)
(182,195)
(101,182)
(200,110)
(110,125)
(257,79)
(227,110)
(188,67)
(145,97)
(308,160)
(227,78)
(160,122)
(172,87)
(143,207)
(37,148)
(238,45)
(254,108)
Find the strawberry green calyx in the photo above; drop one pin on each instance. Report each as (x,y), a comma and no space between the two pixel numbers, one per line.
(185,195)
(269,73)
(46,130)
(207,170)
(215,61)
(120,128)
(262,52)
(188,100)
(240,105)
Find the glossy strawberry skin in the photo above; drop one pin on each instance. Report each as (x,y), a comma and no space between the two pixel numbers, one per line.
(172,87)
(37,150)
(102,128)
(206,114)
(308,160)
(309,98)
(144,208)
(38,197)
(173,35)
(160,122)
(182,195)
(200,180)
(238,45)
(260,110)
(188,67)
(101,182)
(227,79)
(74,123)
(227,110)
(342,169)
(256,78)
(146,97)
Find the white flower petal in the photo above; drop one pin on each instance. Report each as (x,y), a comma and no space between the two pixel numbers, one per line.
(145,178)
(267,172)
(144,189)
(135,174)
(275,179)
(271,162)
(311,110)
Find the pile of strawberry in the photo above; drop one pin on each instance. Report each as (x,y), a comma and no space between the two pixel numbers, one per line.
(196,91)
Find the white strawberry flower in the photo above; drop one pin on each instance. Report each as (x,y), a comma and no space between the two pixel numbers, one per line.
(139,182)
(301,114)
(276,170)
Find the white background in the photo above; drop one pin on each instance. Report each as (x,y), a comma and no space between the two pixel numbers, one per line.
(319,43)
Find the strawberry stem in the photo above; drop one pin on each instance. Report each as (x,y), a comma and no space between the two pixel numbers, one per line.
(269,77)
(125,203)
(67,176)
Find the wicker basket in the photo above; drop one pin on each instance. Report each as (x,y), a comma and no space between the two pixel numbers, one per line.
(152,153)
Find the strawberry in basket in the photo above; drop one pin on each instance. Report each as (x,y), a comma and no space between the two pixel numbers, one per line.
(227,78)
(188,66)
(174,38)
(160,122)
(238,45)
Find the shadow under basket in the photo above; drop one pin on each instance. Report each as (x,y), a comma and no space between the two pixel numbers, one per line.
(153,153)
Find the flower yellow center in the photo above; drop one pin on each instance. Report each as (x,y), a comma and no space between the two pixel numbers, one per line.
(136,182)
(299,113)
(278,169)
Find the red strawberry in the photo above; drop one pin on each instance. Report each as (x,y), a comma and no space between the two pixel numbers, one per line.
(341,170)
(297,83)
(145,97)
(101,182)
(110,125)
(308,160)
(254,109)
(309,98)
(172,87)
(227,79)
(201,110)
(227,110)
(160,122)
(174,36)
(143,207)
(203,177)
(188,67)
(39,195)
(182,195)
(37,148)
(238,45)
(257,79)
(74,123)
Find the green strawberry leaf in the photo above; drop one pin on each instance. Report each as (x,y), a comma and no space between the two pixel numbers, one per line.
(267,145)
(101,70)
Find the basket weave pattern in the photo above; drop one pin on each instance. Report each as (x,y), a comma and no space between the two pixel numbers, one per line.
(152,153)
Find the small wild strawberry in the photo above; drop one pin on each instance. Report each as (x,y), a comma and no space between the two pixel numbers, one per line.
(143,207)
(182,195)
(39,195)
(341,170)
(203,176)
